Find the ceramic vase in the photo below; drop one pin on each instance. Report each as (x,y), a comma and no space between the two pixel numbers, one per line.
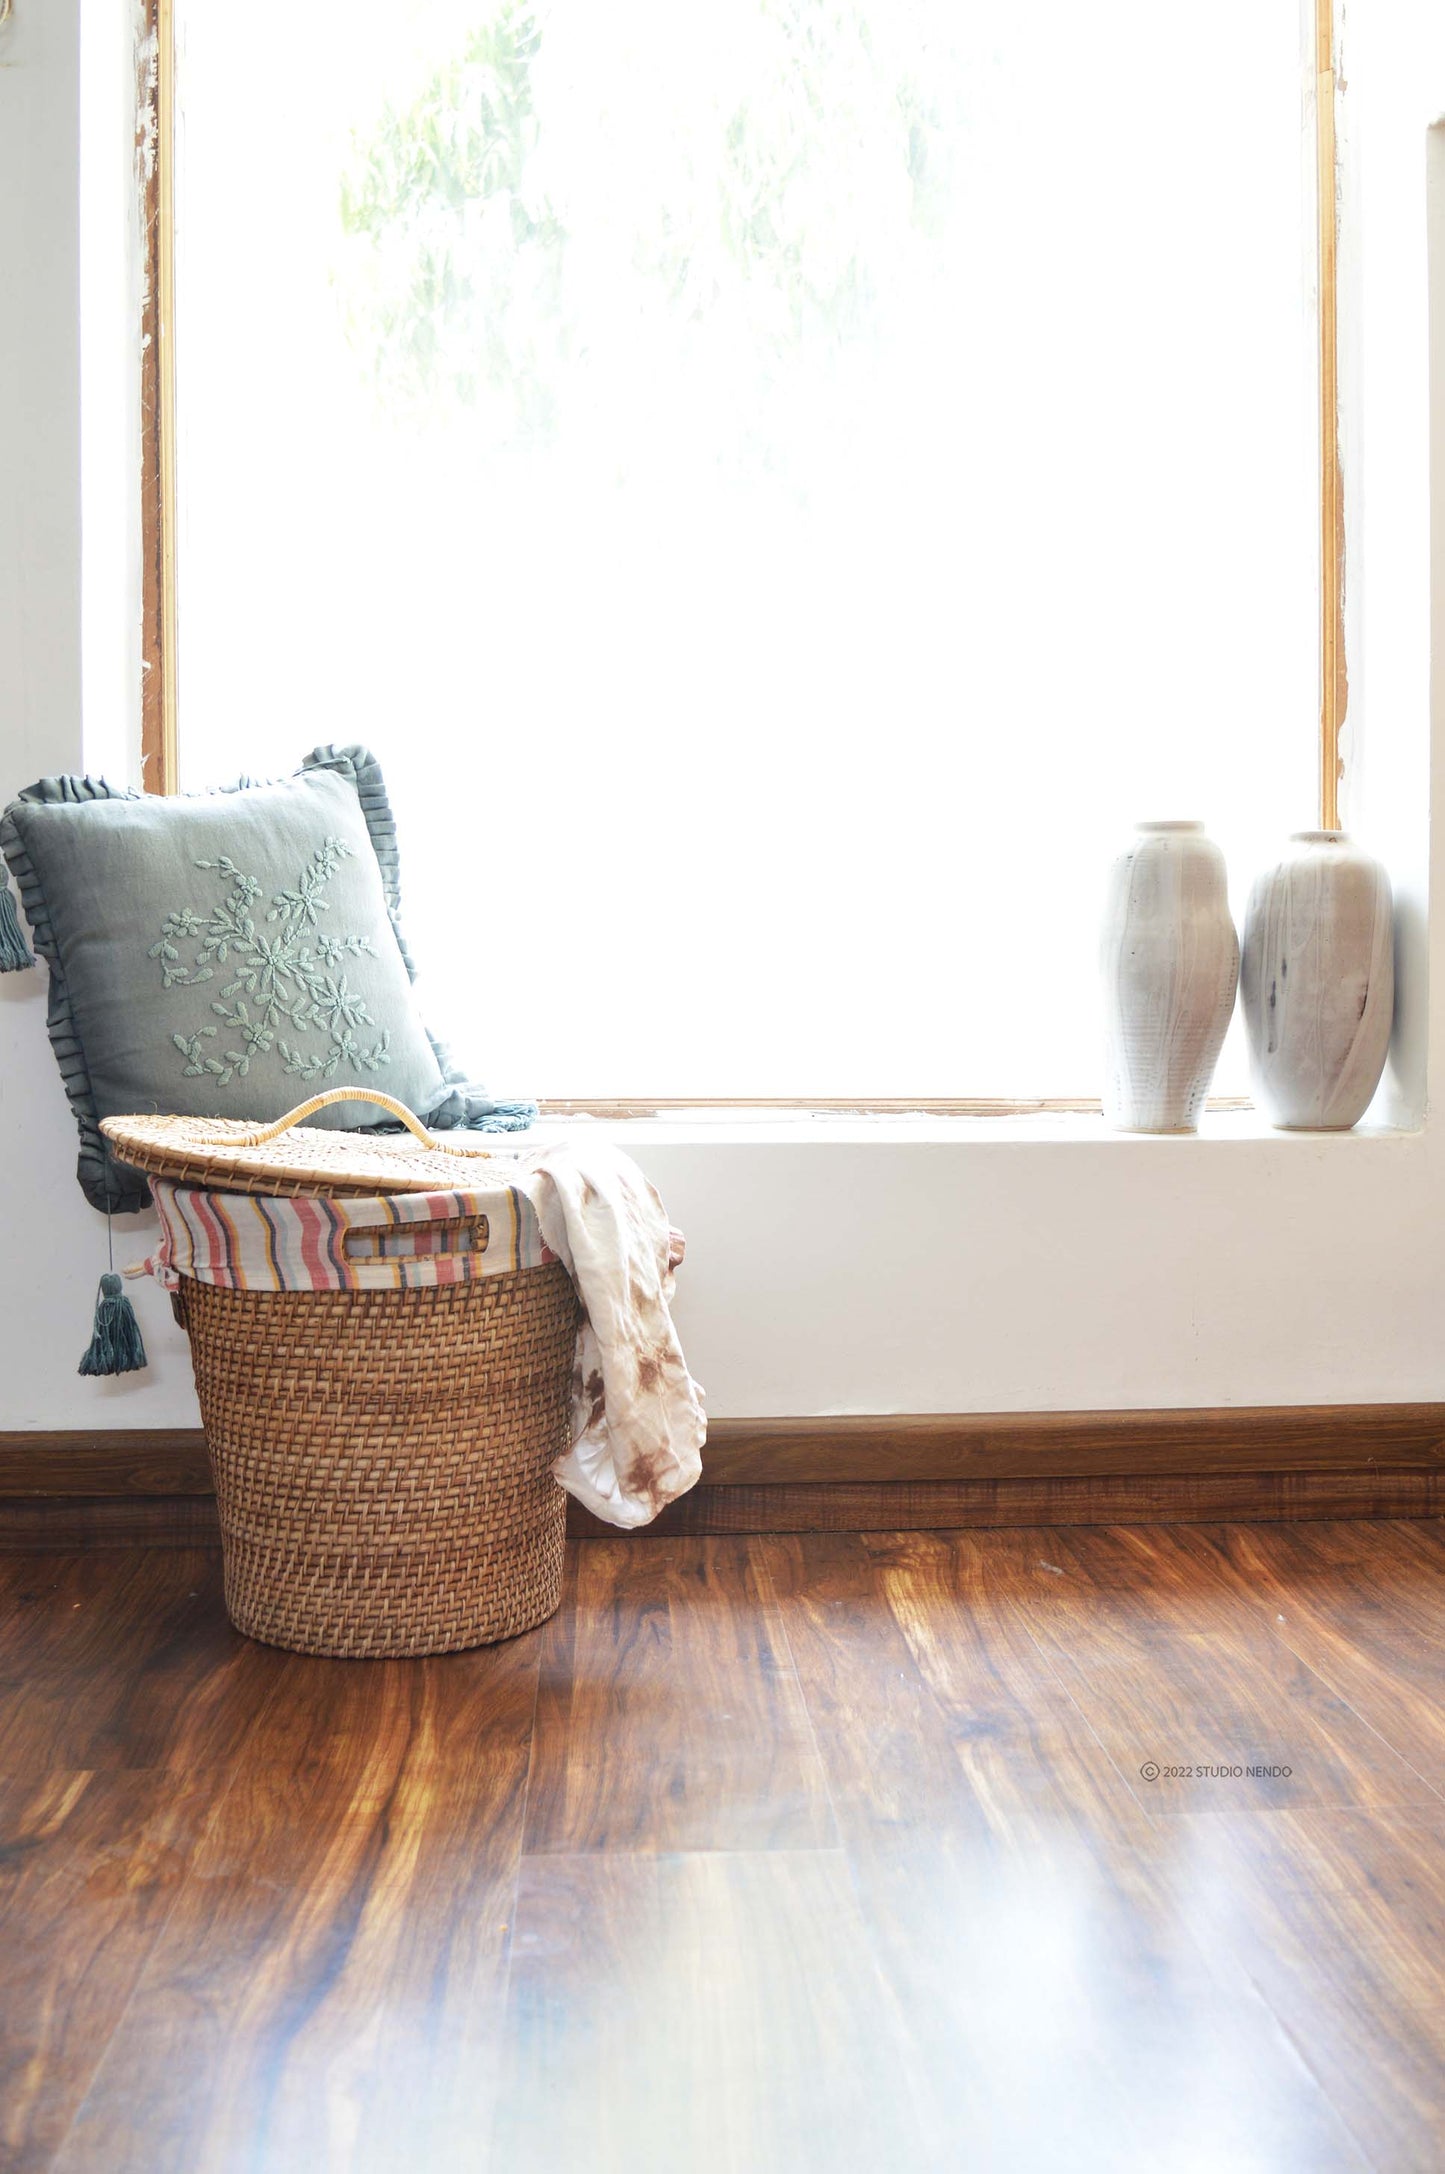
(1170,966)
(1318,983)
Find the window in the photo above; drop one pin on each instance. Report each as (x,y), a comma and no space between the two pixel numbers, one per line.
(781,485)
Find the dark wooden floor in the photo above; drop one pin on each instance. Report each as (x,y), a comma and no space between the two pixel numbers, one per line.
(792,1853)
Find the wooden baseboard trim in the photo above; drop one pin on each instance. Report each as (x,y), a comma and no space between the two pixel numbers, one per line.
(1155,1499)
(903,1447)
(1074,1445)
(62,1524)
(74,1524)
(121,1487)
(108,1461)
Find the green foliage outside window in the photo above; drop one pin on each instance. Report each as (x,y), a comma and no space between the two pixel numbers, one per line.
(465,258)
(778,222)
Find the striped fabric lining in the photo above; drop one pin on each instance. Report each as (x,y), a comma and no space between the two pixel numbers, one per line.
(386,1242)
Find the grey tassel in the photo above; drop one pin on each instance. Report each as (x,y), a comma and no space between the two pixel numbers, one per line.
(115,1345)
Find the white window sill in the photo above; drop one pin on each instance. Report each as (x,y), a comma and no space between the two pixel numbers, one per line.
(797,1128)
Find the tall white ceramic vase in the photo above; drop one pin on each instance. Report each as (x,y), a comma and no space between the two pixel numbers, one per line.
(1170,965)
(1318,983)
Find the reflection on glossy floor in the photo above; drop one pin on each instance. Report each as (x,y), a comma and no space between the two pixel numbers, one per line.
(1015,1849)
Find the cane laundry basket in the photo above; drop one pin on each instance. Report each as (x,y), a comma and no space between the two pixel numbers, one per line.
(382,1456)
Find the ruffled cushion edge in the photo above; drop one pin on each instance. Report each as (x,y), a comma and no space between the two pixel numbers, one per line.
(107,1184)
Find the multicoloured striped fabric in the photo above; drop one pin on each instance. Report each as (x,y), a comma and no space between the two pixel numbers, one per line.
(386,1242)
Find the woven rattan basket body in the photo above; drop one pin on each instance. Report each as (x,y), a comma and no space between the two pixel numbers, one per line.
(383,1458)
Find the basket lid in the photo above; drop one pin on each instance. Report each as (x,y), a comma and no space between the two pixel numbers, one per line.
(225,1155)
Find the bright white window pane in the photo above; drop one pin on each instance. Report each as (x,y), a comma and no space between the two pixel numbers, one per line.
(782,485)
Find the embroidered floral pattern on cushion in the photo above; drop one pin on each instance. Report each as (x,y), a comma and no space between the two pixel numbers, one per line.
(275,976)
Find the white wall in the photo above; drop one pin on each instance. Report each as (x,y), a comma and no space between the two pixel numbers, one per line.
(899,1267)
(52,1246)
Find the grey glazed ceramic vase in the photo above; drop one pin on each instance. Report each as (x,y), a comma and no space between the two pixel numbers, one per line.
(1318,983)
(1170,961)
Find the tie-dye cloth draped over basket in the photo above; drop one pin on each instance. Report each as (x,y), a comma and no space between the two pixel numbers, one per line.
(394,1380)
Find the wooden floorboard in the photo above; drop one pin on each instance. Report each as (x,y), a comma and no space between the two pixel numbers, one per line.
(818,1851)
(114,1660)
(1338,1920)
(327,1990)
(1178,1671)
(90,1867)
(995,1847)
(69,1640)
(702,2009)
(621,1761)
(1357,1610)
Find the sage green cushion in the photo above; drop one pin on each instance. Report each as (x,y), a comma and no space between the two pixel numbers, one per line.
(226,954)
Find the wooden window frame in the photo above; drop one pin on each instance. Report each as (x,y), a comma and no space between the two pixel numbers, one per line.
(1334,668)
(160,654)
(160,647)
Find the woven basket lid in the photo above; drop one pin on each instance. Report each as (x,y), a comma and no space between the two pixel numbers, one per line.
(223,1155)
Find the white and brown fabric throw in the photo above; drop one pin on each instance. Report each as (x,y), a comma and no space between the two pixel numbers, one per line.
(637,1415)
